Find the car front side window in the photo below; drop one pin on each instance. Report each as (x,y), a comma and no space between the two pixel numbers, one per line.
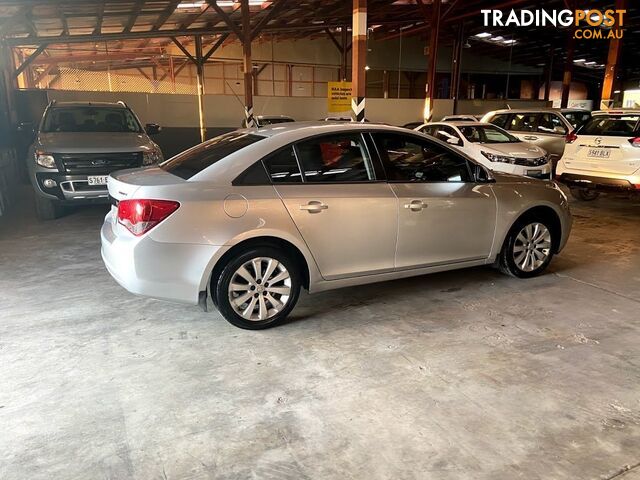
(500,120)
(411,159)
(523,122)
(551,123)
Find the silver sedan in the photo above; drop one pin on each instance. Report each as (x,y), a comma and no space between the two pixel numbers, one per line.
(250,217)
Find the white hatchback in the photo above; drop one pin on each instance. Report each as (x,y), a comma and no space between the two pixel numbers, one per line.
(493,147)
(603,155)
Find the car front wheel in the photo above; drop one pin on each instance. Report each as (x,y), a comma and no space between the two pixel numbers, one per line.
(258,288)
(528,249)
(47,209)
(584,194)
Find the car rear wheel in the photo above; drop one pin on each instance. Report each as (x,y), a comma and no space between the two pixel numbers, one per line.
(584,194)
(48,209)
(528,248)
(258,288)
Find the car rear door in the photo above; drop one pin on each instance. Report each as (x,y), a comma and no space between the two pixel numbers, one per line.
(444,217)
(606,146)
(346,213)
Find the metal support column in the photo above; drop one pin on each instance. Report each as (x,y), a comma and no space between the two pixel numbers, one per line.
(434,25)
(548,77)
(568,69)
(456,67)
(246,63)
(343,54)
(200,79)
(359,59)
(611,71)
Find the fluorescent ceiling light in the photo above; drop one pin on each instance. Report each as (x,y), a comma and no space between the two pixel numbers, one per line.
(231,3)
(589,63)
(190,4)
(509,42)
(580,60)
(482,35)
(499,38)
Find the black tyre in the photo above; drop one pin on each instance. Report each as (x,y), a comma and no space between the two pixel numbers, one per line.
(258,288)
(584,194)
(47,209)
(528,248)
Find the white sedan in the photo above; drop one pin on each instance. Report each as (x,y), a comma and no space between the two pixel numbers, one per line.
(493,147)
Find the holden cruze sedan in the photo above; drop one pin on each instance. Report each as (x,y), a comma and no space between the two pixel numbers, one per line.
(250,217)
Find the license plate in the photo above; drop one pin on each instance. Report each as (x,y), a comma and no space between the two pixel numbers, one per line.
(599,153)
(97,179)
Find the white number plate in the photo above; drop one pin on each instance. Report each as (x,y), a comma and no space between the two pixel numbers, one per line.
(599,153)
(97,179)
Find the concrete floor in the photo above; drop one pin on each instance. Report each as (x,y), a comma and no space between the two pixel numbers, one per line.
(463,375)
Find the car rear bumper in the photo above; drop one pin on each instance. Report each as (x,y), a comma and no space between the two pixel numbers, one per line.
(612,184)
(167,271)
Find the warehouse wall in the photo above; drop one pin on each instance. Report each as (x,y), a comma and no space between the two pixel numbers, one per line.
(178,114)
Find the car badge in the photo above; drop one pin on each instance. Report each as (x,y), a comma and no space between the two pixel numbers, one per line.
(98,162)
(598,140)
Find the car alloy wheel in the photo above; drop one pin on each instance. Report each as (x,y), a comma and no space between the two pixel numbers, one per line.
(532,247)
(260,289)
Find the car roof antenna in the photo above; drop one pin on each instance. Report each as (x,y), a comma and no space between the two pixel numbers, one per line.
(250,123)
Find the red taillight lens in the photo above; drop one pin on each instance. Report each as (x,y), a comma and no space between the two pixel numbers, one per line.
(571,137)
(635,142)
(141,215)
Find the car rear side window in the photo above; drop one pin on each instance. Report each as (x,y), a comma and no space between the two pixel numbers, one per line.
(190,162)
(623,126)
(282,166)
(335,158)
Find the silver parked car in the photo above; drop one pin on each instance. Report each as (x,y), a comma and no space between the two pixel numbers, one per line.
(546,127)
(250,217)
(77,146)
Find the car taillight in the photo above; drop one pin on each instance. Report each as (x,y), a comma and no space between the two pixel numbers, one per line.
(571,137)
(141,215)
(635,142)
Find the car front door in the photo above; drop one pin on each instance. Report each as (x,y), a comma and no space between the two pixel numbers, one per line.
(444,217)
(345,212)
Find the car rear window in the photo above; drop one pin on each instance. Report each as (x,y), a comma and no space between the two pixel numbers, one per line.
(605,125)
(190,162)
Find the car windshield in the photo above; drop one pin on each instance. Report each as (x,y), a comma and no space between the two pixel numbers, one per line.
(190,162)
(622,126)
(577,118)
(486,134)
(90,119)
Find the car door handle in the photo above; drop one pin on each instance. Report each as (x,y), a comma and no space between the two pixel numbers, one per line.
(314,206)
(416,205)
(530,137)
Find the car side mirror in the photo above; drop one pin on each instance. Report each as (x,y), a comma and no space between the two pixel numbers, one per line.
(483,175)
(152,128)
(453,141)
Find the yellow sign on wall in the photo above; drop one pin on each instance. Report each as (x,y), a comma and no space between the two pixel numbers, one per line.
(338,96)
